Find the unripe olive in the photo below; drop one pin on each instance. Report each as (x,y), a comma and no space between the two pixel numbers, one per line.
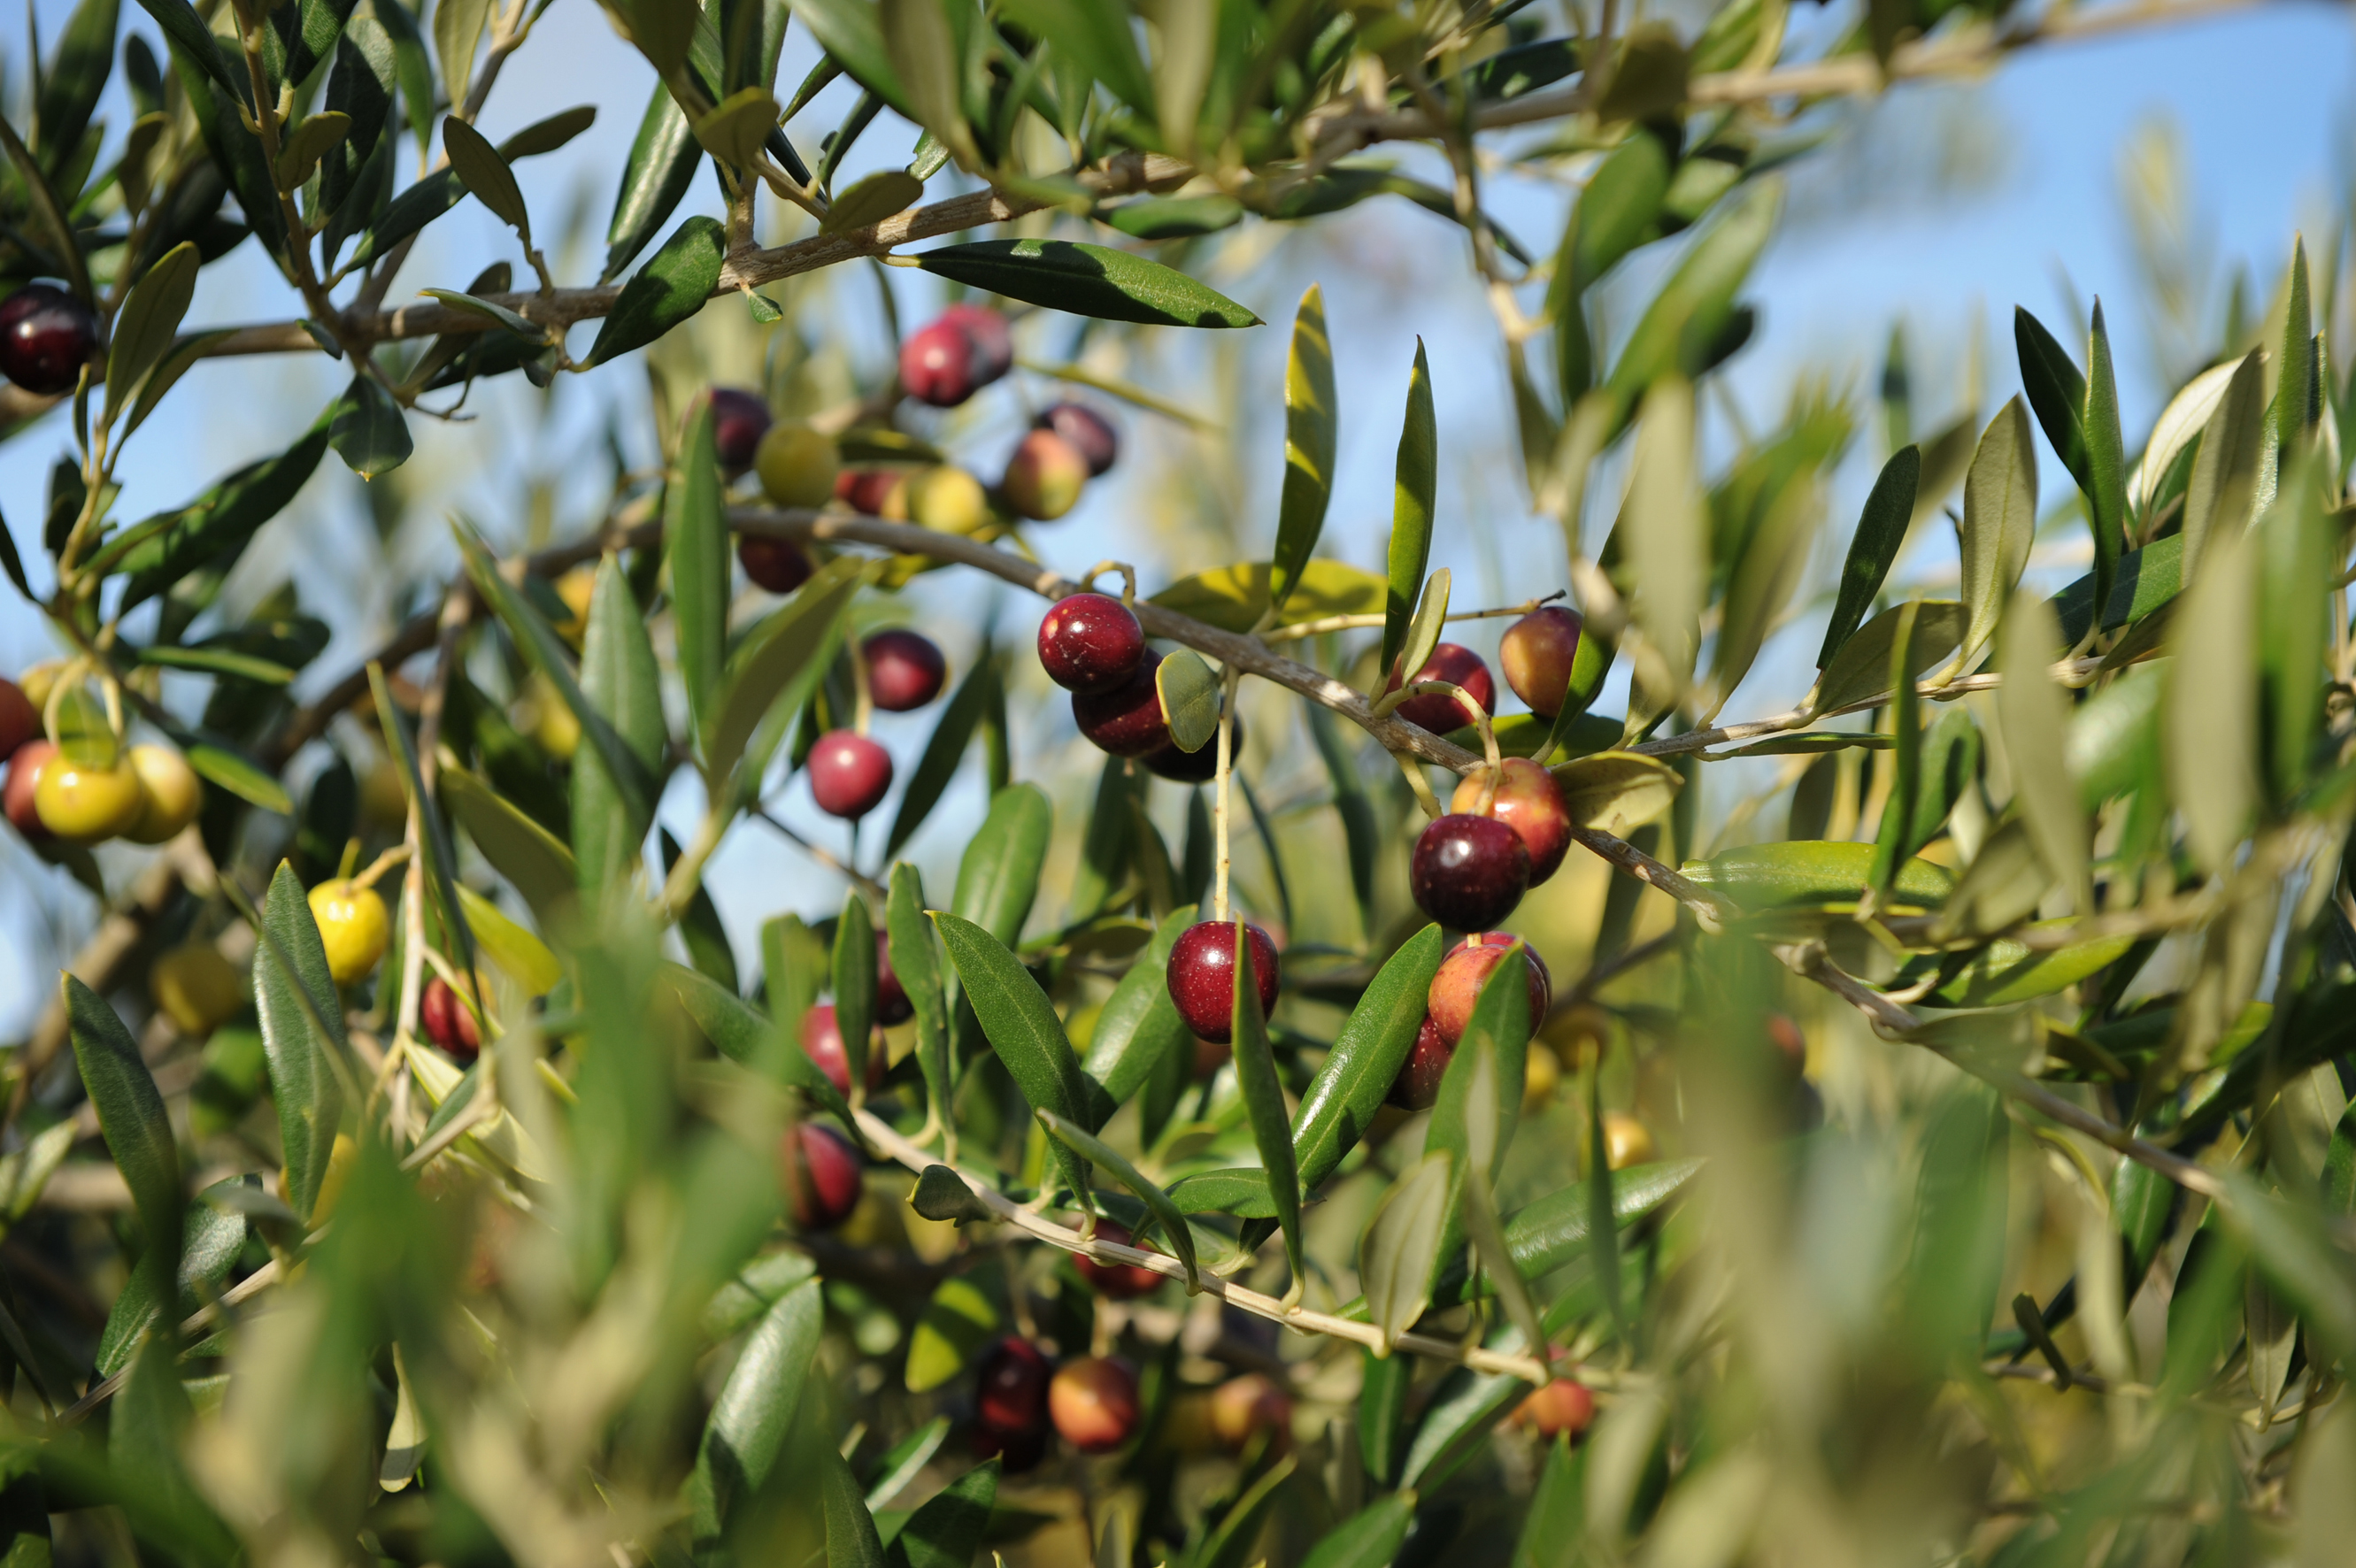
(196,988)
(353,927)
(1044,476)
(946,499)
(1093,1401)
(1539,652)
(576,588)
(175,794)
(1541,1074)
(1626,1141)
(798,466)
(84,805)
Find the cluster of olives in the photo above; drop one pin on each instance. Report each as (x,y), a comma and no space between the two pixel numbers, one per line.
(47,335)
(145,794)
(1470,867)
(1092,647)
(1091,1401)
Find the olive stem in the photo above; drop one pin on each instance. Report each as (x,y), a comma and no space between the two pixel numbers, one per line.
(381,864)
(1231,678)
(1128,578)
(863,699)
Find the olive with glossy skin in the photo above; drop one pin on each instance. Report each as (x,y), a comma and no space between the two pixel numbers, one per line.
(992,339)
(24,775)
(1537,653)
(778,565)
(19,719)
(739,419)
(1089,433)
(944,498)
(196,988)
(353,927)
(1093,1401)
(798,466)
(1626,1141)
(822,1036)
(1457,985)
(1120,1282)
(1562,1408)
(1202,976)
(1417,1087)
(1244,1405)
(905,670)
(449,1022)
(1091,642)
(1468,873)
(1009,1396)
(1438,712)
(1529,802)
(1044,477)
(175,794)
(86,805)
(1126,719)
(1200,766)
(849,775)
(822,1177)
(47,335)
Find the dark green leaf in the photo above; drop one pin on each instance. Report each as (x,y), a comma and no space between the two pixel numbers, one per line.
(370,434)
(518,849)
(361,88)
(778,665)
(613,791)
(211,1240)
(1456,1423)
(1414,504)
(1370,1538)
(1896,839)
(149,316)
(49,220)
(1617,210)
(851,1539)
(131,1115)
(1094,1150)
(854,982)
(2057,391)
(1173,216)
(1105,852)
(2106,462)
(1312,434)
(188,35)
(233,772)
(672,286)
(941,1194)
(303,1062)
(218,661)
(2222,488)
(944,753)
(1020,1025)
(1881,529)
(755,1409)
(1139,1024)
(1860,671)
(1263,1094)
(916,963)
(1230,1542)
(741,1034)
(481,169)
(1552,1232)
(998,877)
(948,1530)
(695,547)
(1241,1191)
(1349,1089)
(1190,699)
(158,552)
(1385,1382)
(1085,280)
(1960,1226)
(2147,579)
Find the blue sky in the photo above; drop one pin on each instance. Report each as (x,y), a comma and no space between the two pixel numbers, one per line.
(1878,231)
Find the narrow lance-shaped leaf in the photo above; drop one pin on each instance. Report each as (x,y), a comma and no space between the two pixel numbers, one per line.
(854,983)
(2057,391)
(2035,716)
(1342,1099)
(850,1538)
(1263,1095)
(1478,1133)
(1090,1147)
(1371,1538)
(1896,837)
(917,965)
(303,1081)
(1999,523)
(948,1530)
(672,286)
(144,326)
(1880,531)
(1311,440)
(2296,407)
(1603,1234)
(660,168)
(1400,1251)
(1669,550)
(1085,280)
(695,546)
(1021,1027)
(2107,463)
(138,1133)
(2209,729)
(1139,1024)
(613,778)
(774,669)
(1414,504)
(998,878)
(756,1408)
(2223,489)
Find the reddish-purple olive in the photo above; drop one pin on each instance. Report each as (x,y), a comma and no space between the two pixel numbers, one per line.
(1562,1407)
(1009,1396)
(892,1004)
(1200,766)
(24,775)
(1537,653)
(19,719)
(1089,433)
(449,1022)
(1457,985)
(1468,873)
(1093,1401)
(822,1035)
(739,419)
(1530,803)
(822,1177)
(993,343)
(849,775)
(1089,642)
(1438,712)
(1202,976)
(47,335)
(1121,1281)
(778,565)
(1417,1087)
(936,365)
(1126,720)
(873,492)
(904,669)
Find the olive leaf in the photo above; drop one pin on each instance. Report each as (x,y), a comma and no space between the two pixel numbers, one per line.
(1085,280)
(1311,439)
(1190,698)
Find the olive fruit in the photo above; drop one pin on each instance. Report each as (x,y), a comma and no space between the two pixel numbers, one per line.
(1121,1281)
(1626,1141)
(1457,985)
(353,927)
(1200,766)
(779,565)
(1417,1087)
(944,498)
(1125,719)
(449,1022)
(1468,873)
(873,492)
(84,804)
(1091,642)
(175,794)
(1044,476)
(849,775)
(1437,710)
(1529,802)
(904,669)
(195,988)
(1202,976)
(739,419)
(822,1177)
(1246,1405)
(24,774)
(1562,1408)
(798,466)
(1089,433)
(19,719)
(994,342)
(1093,1401)
(47,335)
(821,1036)
(955,355)
(1537,653)
(1010,1402)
